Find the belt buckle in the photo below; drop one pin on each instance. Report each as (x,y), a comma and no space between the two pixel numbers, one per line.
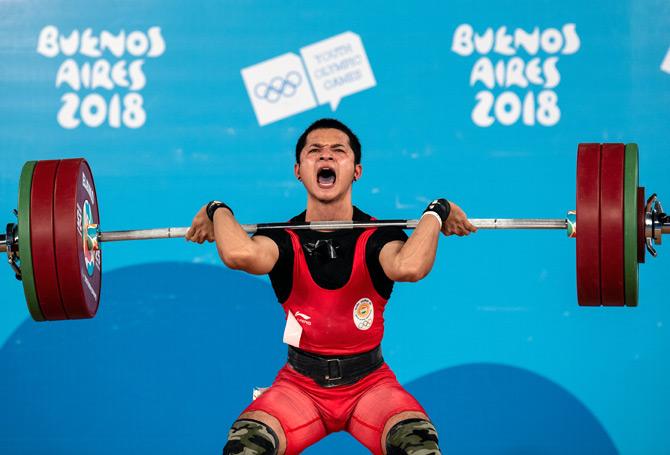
(329,375)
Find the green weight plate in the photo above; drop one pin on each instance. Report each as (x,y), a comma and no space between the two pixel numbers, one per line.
(25,249)
(630,220)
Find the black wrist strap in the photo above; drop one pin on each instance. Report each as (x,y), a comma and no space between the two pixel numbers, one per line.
(213,206)
(441,207)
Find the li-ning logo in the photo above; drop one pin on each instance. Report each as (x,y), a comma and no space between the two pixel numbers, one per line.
(303,318)
(279,86)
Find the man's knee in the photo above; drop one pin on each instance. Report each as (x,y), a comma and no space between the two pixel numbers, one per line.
(251,437)
(412,437)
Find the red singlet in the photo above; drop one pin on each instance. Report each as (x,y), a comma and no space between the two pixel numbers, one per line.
(346,321)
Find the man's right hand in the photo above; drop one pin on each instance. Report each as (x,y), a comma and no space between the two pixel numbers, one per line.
(457,222)
(201,228)
(257,255)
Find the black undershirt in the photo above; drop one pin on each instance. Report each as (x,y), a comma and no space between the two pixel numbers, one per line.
(326,272)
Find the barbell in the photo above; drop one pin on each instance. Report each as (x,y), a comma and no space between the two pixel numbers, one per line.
(54,247)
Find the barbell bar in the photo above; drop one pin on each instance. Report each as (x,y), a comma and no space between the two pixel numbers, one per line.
(180,232)
(54,248)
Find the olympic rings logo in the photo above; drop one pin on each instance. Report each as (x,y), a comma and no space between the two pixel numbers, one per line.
(364,325)
(278,87)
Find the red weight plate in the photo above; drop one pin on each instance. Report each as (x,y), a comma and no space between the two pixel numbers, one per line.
(612,224)
(641,245)
(588,224)
(75,210)
(42,240)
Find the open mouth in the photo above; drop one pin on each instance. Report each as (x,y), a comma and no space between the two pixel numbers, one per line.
(325,177)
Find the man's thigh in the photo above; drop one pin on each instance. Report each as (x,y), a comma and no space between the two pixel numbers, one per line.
(284,406)
(378,410)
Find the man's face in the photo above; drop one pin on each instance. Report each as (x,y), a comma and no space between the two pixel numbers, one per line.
(326,165)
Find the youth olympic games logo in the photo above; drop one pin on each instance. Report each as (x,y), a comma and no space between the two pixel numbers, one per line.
(364,314)
(323,73)
(89,238)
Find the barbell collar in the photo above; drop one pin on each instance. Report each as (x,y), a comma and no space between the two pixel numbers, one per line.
(666,224)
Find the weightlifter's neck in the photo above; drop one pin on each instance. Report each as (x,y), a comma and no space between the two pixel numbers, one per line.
(337,210)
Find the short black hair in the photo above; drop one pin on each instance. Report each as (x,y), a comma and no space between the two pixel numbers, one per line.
(329,123)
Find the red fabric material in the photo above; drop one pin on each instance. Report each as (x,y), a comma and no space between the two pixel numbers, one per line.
(308,412)
(330,327)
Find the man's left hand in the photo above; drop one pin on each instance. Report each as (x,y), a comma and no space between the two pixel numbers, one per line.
(457,222)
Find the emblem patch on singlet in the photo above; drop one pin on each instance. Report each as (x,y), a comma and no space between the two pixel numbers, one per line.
(364,314)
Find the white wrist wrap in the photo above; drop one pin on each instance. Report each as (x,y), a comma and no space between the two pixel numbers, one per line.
(437,217)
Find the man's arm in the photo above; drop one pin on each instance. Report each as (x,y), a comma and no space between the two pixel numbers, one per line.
(413,259)
(237,250)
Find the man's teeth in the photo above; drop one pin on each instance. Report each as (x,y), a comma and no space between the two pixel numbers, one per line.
(326,177)
(329,180)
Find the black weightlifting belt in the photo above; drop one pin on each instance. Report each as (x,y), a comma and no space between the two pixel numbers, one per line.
(331,371)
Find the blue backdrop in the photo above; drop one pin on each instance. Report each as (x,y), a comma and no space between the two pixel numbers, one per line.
(484,103)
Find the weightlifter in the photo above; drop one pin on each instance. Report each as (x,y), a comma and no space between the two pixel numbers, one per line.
(333,287)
